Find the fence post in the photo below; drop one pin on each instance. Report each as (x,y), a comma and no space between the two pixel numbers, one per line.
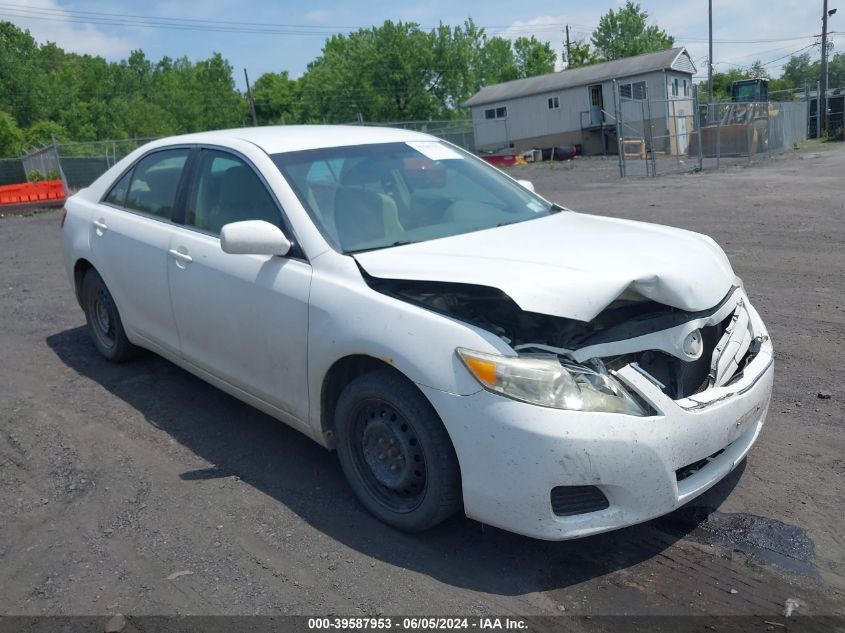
(696,121)
(55,147)
(651,136)
(749,129)
(807,101)
(768,130)
(676,134)
(718,140)
(617,106)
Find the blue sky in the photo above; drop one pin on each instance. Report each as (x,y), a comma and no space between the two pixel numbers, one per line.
(779,27)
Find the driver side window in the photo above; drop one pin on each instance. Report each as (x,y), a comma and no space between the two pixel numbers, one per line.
(226,190)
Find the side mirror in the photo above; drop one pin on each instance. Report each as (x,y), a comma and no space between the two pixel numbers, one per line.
(527,184)
(253,237)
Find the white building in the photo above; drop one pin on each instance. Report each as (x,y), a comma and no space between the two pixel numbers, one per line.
(577,106)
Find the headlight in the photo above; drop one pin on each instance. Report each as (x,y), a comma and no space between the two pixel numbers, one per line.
(548,382)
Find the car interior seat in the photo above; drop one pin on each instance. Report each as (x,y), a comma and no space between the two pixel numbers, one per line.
(362,213)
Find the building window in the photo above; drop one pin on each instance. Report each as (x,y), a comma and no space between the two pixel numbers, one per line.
(675,87)
(636,91)
(554,103)
(686,88)
(496,113)
(639,89)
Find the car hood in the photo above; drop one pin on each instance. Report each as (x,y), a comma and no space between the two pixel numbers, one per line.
(569,264)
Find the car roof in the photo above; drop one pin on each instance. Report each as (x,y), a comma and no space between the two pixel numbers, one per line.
(277,139)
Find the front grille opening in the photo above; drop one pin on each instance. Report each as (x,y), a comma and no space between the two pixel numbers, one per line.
(571,500)
(690,469)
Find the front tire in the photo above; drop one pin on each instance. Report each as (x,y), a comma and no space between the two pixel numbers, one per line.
(396,453)
(104,324)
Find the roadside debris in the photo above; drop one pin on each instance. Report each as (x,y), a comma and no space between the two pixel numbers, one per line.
(115,625)
(823,395)
(791,605)
(176,574)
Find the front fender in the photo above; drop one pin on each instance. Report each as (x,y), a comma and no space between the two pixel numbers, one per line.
(347,317)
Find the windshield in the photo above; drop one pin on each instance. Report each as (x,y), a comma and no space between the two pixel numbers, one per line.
(366,197)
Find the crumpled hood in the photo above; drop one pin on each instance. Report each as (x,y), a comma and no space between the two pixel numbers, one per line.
(569,264)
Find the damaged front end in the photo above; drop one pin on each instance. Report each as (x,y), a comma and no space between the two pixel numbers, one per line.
(570,364)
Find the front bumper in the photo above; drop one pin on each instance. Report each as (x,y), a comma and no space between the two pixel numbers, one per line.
(512,454)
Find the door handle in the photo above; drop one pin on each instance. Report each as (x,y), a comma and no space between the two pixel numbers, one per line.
(182,257)
(101,226)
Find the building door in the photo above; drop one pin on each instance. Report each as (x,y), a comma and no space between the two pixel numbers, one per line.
(596,105)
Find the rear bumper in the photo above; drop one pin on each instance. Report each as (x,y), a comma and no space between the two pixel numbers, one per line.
(512,454)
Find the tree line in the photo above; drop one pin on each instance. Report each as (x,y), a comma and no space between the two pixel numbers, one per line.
(393,72)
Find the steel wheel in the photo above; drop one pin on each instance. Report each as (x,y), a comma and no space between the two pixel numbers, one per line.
(388,456)
(103,318)
(395,452)
(101,308)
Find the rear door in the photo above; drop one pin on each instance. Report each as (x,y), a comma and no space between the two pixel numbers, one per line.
(241,318)
(130,235)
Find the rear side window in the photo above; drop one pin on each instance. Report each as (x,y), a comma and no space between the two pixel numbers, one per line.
(154,182)
(117,195)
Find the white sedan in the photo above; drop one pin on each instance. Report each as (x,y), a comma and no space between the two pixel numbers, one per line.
(461,342)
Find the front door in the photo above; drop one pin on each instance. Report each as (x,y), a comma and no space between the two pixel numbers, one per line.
(241,318)
(596,105)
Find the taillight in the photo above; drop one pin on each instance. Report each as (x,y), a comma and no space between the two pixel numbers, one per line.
(64,216)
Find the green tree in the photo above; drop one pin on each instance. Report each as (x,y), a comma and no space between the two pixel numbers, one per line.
(625,32)
(836,71)
(11,137)
(457,65)
(800,71)
(758,70)
(533,57)
(386,73)
(19,56)
(496,62)
(43,132)
(275,98)
(579,54)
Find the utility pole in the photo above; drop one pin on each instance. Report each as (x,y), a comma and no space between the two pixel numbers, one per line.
(568,49)
(710,62)
(251,101)
(821,102)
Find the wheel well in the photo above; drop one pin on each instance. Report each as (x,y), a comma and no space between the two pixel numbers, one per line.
(81,267)
(339,375)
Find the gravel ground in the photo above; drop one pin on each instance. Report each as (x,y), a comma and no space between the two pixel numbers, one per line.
(140,489)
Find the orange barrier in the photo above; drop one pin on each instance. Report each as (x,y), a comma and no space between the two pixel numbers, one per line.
(45,191)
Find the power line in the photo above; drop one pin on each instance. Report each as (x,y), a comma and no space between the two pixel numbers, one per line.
(790,54)
(103,18)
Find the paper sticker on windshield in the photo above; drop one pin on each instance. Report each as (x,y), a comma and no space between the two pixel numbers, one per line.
(434,150)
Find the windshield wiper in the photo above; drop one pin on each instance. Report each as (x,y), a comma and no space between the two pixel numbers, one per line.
(378,248)
(555,208)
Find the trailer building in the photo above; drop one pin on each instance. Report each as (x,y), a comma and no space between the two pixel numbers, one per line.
(577,106)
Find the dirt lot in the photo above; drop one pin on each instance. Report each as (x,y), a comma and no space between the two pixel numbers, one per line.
(139,489)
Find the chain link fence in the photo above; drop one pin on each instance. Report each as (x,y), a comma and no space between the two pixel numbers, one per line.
(81,163)
(677,134)
(458,131)
(12,171)
(78,163)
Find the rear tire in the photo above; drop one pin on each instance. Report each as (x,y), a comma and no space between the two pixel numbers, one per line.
(104,324)
(395,452)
